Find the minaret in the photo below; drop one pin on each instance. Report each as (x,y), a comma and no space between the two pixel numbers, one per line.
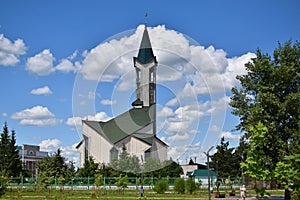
(145,65)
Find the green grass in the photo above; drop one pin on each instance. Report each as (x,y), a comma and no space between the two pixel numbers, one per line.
(30,193)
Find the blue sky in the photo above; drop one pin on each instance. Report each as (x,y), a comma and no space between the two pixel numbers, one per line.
(58,65)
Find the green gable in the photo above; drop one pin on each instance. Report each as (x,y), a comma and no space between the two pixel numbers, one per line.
(124,125)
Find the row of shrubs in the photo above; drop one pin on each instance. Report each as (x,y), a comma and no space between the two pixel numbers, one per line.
(181,186)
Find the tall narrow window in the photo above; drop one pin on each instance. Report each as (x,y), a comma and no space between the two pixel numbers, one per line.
(86,147)
(151,77)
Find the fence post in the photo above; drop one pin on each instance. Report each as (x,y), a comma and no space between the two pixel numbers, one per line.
(152,181)
(88,182)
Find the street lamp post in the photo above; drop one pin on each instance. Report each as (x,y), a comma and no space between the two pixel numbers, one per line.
(208,170)
(142,177)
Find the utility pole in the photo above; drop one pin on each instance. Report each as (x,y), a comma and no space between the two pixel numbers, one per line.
(208,170)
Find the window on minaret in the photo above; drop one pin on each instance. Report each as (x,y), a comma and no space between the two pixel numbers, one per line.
(138,77)
(151,77)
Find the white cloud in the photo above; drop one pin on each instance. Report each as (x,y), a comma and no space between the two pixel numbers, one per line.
(10,51)
(76,121)
(208,69)
(67,66)
(182,119)
(178,137)
(4,114)
(100,116)
(52,145)
(165,112)
(108,102)
(214,128)
(41,64)
(172,102)
(230,136)
(41,91)
(71,153)
(36,116)
(91,95)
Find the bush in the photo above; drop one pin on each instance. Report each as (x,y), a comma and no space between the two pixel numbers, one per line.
(3,184)
(190,186)
(179,186)
(160,186)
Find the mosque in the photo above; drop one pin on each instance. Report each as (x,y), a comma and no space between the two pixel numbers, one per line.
(134,129)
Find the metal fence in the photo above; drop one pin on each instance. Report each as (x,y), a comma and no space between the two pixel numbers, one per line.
(90,181)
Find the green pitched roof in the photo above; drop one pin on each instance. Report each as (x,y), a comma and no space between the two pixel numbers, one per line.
(123,125)
(147,138)
(145,54)
(202,172)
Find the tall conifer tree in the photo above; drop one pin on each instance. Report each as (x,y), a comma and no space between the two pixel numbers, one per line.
(10,162)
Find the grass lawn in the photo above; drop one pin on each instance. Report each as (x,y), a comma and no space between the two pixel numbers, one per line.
(30,193)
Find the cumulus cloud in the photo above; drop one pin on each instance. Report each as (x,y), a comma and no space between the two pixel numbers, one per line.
(172,102)
(230,136)
(67,66)
(36,116)
(178,137)
(165,112)
(180,119)
(41,64)
(208,70)
(76,121)
(41,91)
(52,145)
(108,102)
(10,51)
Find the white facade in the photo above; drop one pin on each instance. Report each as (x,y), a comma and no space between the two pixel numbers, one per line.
(96,146)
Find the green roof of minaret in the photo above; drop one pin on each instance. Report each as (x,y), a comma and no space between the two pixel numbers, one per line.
(145,54)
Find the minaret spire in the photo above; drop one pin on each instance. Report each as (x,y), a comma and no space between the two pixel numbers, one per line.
(145,54)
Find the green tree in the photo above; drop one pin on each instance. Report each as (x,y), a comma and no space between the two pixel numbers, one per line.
(269,93)
(126,163)
(225,162)
(179,185)
(89,169)
(3,185)
(161,186)
(288,174)
(151,166)
(122,182)
(71,171)
(257,163)
(190,186)
(171,169)
(10,162)
(53,166)
(99,182)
